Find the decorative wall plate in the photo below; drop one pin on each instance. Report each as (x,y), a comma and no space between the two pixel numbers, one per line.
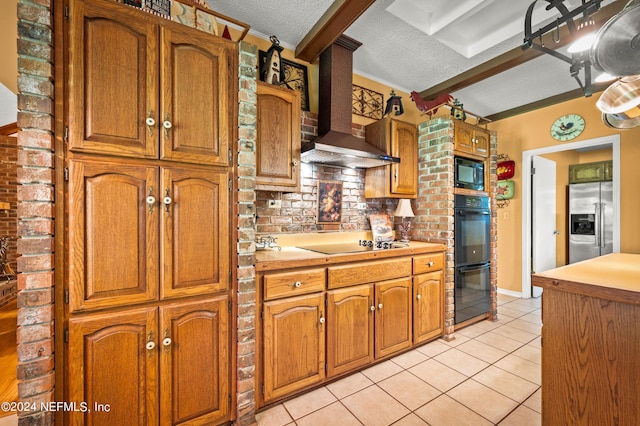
(505,190)
(506,169)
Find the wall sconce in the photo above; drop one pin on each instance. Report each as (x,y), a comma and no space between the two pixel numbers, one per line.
(394,104)
(404,211)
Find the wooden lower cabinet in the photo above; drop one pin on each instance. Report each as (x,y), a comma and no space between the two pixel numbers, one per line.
(365,321)
(350,337)
(393,316)
(428,309)
(294,344)
(128,361)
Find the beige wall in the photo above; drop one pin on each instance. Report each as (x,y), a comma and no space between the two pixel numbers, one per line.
(8,47)
(532,130)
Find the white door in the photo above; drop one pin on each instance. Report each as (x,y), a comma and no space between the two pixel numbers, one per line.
(543,217)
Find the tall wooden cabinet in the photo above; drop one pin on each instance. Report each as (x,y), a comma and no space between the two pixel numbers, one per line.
(150,121)
(398,139)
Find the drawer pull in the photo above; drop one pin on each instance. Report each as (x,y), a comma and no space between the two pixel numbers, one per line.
(296,284)
(429,264)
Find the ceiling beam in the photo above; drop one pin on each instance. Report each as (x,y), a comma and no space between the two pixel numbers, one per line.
(335,21)
(516,56)
(543,103)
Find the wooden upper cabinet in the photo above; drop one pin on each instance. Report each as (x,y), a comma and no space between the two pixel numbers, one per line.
(469,139)
(113,234)
(398,139)
(194,221)
(113,359)
(194,362)
(145,87)
(113,80)
(197,84)
(278,138)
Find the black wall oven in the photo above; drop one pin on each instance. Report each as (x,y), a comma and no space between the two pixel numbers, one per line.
(472,244)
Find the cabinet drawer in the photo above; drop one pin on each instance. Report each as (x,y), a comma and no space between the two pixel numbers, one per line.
(293,283)
(428,263)
(368,272)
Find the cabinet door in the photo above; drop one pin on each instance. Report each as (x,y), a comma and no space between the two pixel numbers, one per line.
(113,81)
(428,306)
(404,144)
(278,138)
(481,142)
(393,316)
(113,234)
(194,362)
(463,138)
(197,96)
(113,360)
(349,328)
(195,222)
(294,344)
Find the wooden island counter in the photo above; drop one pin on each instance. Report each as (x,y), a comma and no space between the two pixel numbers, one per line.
(591,341)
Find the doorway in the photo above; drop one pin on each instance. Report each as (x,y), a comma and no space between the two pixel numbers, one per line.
(613,142)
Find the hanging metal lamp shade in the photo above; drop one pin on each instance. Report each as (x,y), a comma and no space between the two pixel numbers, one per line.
(616,49)
(620,103)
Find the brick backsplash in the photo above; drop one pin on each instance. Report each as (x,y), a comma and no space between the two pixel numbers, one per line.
(299,209)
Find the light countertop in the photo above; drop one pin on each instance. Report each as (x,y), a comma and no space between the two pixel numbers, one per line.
(614,276)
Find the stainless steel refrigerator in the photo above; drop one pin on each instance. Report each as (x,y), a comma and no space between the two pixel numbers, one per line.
(590,220)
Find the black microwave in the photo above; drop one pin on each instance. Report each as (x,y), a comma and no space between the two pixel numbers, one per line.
(469,174)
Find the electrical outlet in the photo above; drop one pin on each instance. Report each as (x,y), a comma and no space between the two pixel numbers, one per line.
(362,206)
(274,204)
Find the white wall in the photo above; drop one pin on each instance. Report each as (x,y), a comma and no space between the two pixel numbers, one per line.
(8,106)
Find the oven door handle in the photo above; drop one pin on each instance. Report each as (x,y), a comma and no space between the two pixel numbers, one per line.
(474,267)
(471,212)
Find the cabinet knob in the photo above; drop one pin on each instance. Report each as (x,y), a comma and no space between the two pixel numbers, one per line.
(151,345)
(379,305)
(373,308)
(150,122)
(151,200)
(167,125)
(321,320)
(167,200)
(296,284)
(429,264)
(419,296)
(166,341)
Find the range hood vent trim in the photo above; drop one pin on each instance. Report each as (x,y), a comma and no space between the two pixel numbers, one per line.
(335,144)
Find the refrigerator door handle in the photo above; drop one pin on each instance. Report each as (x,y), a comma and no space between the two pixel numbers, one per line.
(597,223)
(602,228)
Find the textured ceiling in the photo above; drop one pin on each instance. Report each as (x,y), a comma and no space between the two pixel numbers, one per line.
(417,44)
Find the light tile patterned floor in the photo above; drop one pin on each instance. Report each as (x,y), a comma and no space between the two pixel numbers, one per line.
(490,374)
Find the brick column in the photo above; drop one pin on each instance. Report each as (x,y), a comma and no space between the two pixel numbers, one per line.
(35,209)
(246,183)
(434,204)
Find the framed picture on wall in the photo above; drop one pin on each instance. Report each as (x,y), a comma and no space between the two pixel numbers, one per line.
(329,202)
(294,77)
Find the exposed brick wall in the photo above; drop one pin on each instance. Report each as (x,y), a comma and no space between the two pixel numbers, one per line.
(35,196)
(9,194)
(434,210)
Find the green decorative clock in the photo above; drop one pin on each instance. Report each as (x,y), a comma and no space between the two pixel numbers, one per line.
(567,127)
